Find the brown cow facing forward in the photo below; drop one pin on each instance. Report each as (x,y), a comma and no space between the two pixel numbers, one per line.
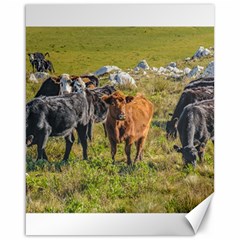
(128,120)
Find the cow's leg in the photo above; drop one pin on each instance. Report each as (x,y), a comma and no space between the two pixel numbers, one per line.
(83,134)
(42,142)
(113,150)
(128,152)
(105,130)
(90,127)
(201,152)
(32,67)
(69,142)
(139,146)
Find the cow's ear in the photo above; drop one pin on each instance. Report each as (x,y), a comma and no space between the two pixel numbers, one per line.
(178,149)
(175,122)
(74,77)
(107,99)
(129,99)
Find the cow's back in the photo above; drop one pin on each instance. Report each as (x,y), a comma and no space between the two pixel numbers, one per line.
(139,112)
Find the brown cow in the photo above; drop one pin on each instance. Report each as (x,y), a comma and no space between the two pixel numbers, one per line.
(128,120)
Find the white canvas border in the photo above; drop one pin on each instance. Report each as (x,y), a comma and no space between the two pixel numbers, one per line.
(120,15)
(114,15)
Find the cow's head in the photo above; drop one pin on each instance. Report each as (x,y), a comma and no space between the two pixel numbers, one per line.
(31,56)
(78,85)
(171,128)
(65,84)
(29,140)
(99,106)
(189,154)
(117,103)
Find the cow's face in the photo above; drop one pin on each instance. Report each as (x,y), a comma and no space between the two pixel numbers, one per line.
(171,128)
(117,105)
(65,84)
(31,56)
(78,86)
(189,154)
(100,109)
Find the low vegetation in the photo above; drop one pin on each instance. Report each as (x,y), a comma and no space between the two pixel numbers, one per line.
(159,183)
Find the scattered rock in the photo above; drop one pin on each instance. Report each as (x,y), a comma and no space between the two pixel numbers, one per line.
(142,64)
(122,78)
(172,64)
(154,69)
(209,71)
(162,70)
(38,76)
(195,72)
(201,52)
(186,70)
(106,69)
(32,78)
(187,59)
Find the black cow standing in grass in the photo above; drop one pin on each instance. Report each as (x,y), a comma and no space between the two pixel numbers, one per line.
(188,96)
(59,116)
(195,127)
(35,58)
(77,86)
(201,82)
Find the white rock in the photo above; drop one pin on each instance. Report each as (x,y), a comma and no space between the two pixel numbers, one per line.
(154,69)
(106,69)
(201,52)
(41,75)
(176,76)
(32,78)
(144,72)
(172,64)
(195,72)
(206,52)
(143,64)
(187,59)
(136,69)
(186,70)
(122,78)
(209,71)
(162,70)
(176,70)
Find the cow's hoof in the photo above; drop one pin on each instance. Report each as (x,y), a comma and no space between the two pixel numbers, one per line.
(129,163)
(64,162)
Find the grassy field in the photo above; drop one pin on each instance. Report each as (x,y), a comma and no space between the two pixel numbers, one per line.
(158,183)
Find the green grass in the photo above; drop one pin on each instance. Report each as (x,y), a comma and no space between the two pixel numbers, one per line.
(158,183)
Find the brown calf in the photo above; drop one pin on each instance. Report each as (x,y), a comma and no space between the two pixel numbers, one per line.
(128,120)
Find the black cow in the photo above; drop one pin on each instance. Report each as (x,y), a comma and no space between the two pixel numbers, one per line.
(187,97)
(77,86)
(59,116)
(200,82)
(45,66)
(34,58)
(195,127)
(50,87)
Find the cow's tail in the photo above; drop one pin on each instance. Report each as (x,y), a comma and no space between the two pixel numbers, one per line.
(46,54)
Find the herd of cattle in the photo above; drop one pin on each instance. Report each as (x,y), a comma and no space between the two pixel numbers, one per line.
(67,103)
